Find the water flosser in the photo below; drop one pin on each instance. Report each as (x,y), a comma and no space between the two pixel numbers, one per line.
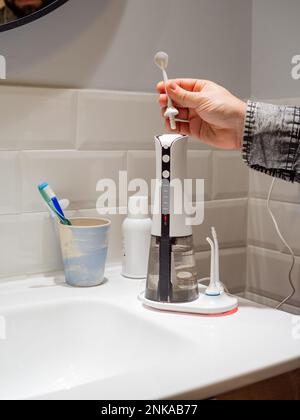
(172,274)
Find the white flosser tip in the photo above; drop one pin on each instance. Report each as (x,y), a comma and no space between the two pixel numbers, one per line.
(171,112)
(162,60)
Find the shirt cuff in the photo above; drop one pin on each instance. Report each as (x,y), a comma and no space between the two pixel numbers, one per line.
(271,140)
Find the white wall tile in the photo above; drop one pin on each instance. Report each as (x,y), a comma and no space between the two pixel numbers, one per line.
(200,167)
(268,274)
(35,118)
(122,120)
(233,264)
(10,199)
(28,245)
(73,175)
(289,225)
(283,101)
(283,191)
(39,244)
(230,176)
(229,217)
(196,144)
(10,255)
(141,165)
(261,230)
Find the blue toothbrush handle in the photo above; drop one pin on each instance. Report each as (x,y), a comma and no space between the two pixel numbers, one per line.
(58,207)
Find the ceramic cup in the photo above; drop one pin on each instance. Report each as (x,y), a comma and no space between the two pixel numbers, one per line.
(84,247)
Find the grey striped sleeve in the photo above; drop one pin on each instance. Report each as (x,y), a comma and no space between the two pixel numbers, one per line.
(272,140)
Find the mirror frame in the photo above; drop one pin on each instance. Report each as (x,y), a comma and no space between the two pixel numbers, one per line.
(34,16)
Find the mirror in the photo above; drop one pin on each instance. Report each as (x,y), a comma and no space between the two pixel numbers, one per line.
(14,13)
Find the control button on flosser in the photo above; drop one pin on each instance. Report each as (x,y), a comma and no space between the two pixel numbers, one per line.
(166,159)
(166,174)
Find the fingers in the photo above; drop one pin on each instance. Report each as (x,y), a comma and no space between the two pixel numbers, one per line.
(185,95)
(183,113)
(163,101)
(182,128)
(191,85)
(185,98)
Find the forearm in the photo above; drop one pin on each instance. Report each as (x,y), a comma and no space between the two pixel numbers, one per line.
(272,140)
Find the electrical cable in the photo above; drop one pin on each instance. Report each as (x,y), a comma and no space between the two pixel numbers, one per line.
(283,240)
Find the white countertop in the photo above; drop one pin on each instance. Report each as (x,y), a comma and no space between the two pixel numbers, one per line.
(213,355)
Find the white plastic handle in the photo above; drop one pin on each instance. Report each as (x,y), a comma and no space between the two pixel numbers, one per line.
(217,260)
(162,61)
(212,290)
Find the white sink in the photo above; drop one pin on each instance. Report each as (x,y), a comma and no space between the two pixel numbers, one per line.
(53,347)
(58,342)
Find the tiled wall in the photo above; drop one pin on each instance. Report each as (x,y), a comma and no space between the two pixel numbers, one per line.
(268,260)
(74,138)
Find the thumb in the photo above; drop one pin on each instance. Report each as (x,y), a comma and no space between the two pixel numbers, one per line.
(184,98)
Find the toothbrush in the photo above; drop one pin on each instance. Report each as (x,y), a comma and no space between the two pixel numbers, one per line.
(162,61)
(45,188)
(52,202)
(64,204)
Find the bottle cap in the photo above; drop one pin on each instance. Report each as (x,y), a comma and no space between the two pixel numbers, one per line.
(138,207)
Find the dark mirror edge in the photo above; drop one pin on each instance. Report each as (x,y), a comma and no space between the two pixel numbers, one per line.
(34,16)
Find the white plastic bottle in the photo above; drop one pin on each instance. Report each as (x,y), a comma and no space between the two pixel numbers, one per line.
(136,231)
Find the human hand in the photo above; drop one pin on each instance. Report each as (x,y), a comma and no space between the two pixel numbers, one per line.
(215,116)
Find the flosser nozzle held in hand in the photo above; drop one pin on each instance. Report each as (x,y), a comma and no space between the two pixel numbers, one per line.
(162,61)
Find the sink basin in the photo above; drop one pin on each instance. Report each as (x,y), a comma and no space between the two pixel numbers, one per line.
(59,346)
(58,342)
